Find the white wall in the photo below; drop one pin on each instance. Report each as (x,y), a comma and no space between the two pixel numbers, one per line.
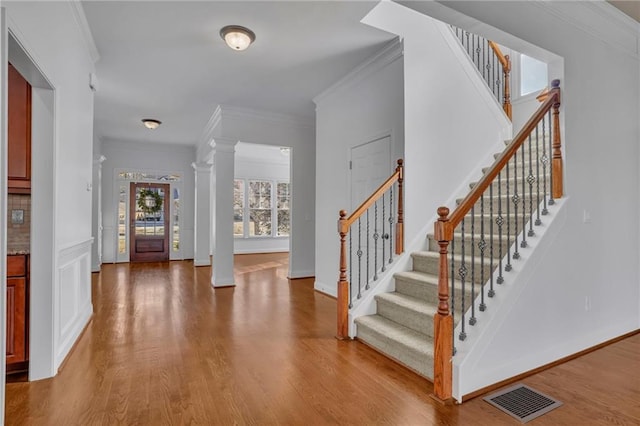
(366,105)
(131,156)
(587,286)
(261,169)
(261,127)
(51,33)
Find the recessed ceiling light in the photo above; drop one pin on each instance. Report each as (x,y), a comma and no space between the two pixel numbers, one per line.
(237,37)
(150,123)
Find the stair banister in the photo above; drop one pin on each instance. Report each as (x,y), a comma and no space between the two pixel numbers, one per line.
(344,225)
(505,61)
(447,223)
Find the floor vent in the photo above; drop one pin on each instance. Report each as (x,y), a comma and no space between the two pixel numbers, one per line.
(522,402)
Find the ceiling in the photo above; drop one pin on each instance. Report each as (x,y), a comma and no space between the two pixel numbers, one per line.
(166,60)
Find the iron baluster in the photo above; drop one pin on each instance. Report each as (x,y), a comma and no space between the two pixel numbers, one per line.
(384,235)
(538,221)
(544,160)
(508,265)
(491,292)
(472,320)
(482,245)
(531,180)
(366,286)
(462,272)
(359,254)
(516,200)
(375,241)
(452,308)
(500,222)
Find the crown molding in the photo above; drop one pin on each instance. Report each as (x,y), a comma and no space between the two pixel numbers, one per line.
(84,29)
(388,54)
(288,120)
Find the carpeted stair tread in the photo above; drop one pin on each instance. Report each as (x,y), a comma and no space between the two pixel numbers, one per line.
(408,347)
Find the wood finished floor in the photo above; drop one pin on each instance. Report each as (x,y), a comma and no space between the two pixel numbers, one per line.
(165,348)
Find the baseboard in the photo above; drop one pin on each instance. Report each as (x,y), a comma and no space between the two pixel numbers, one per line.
(330,296)
(542,368)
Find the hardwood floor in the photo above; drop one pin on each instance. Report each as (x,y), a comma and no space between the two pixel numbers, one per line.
(165,348)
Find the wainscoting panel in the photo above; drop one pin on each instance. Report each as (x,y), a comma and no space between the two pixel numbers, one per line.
(74,308)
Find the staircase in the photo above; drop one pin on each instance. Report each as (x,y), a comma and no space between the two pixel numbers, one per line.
(403,326)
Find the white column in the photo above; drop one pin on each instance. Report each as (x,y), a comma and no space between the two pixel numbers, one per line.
(96,215)
(202,220)
(224,172)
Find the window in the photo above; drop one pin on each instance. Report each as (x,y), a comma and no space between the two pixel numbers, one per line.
(284,198)
(533,75)
(261,208)
(238,208)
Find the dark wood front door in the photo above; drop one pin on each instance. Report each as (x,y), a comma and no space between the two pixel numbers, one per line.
(149,208)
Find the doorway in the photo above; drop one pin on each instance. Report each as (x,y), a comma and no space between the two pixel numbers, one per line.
(149,227)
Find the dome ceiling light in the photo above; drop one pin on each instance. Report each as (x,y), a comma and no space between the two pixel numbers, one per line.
(150,123)
(237,37)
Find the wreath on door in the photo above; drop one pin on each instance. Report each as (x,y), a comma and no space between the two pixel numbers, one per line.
(150,202)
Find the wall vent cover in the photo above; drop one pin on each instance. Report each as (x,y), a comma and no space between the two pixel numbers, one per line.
(522,402)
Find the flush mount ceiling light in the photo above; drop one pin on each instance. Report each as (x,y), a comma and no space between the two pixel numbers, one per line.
(150,123)
(237,37)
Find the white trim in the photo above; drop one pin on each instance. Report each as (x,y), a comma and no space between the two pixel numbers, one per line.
(387,55)
(288,120)
(84,30)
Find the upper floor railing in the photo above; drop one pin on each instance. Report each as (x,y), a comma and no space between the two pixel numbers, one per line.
(371,244)
(494,66)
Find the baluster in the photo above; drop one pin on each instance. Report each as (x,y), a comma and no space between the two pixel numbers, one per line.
(530,180)
(500,222)
(491,292)
(366,286)
(538,221)
(390,224)
(384,235)
(375,241)
(453,287)
(523,243)
(462,273)
(551,174)
(493,73)
(544,160)
(482,245)
(472,320)
(359,254)
(508,265)
(466,46)
(516,200)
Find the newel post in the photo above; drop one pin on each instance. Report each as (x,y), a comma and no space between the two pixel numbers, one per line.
(443,321)
(506,104)
(400,223)
(343,285)
(556,160)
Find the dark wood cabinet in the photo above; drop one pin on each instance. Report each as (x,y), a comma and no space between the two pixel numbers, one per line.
(17,313)
(19,133)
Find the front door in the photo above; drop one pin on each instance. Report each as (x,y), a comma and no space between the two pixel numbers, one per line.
(149,241)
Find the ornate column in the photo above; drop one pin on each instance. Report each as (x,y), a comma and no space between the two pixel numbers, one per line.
(202,222)
(223,175)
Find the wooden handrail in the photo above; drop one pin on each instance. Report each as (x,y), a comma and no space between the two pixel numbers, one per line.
(345,222)
(505,61)
(446,224)
(472,197)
